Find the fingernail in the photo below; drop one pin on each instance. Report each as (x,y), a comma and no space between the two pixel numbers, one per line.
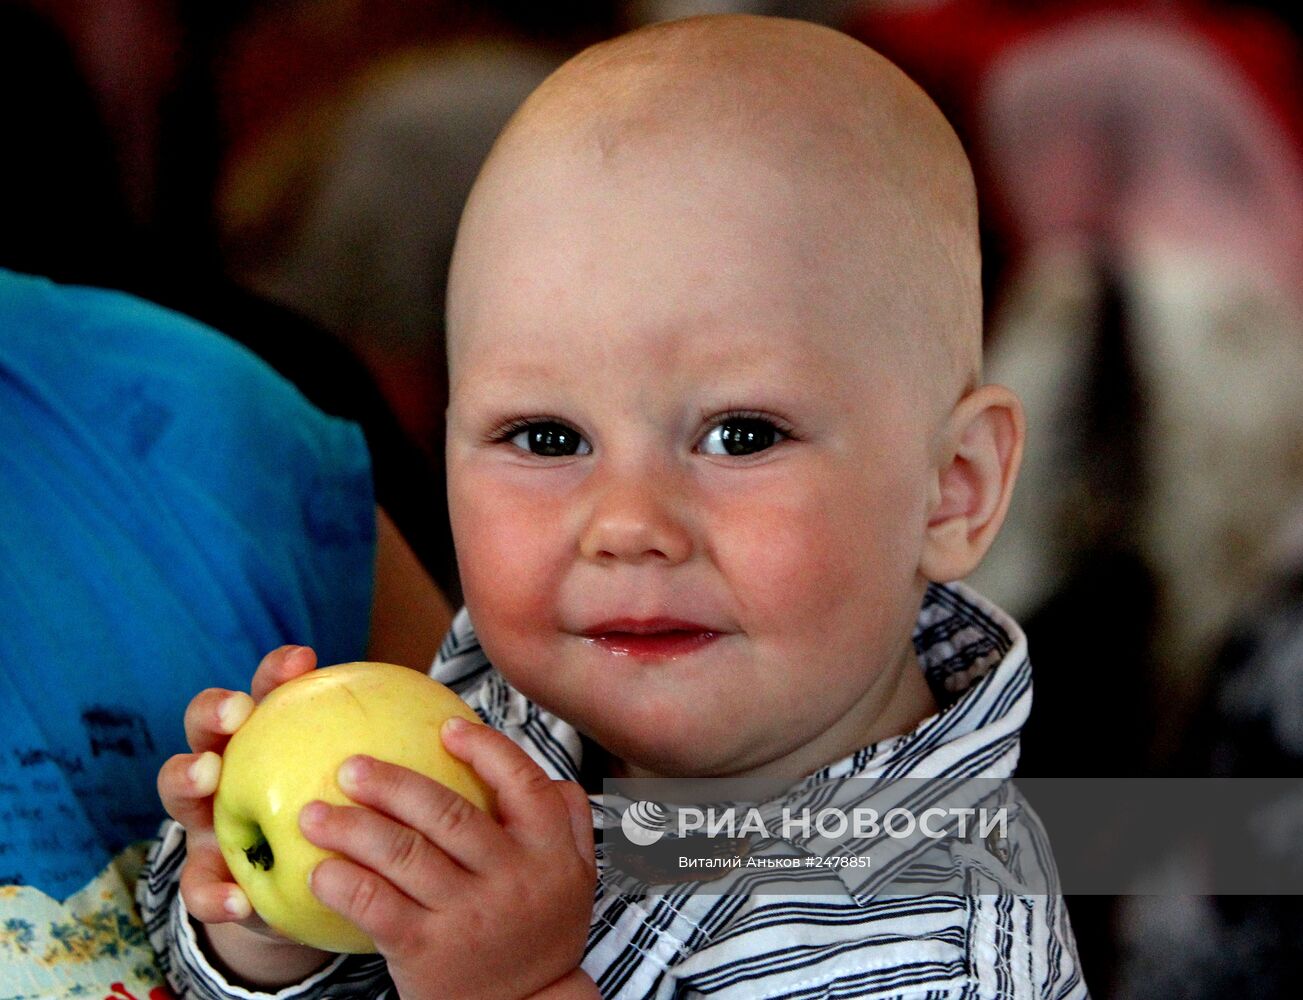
(237,904)
(453,725)
(352,773)
(313,813)
(204,773)
(232,712)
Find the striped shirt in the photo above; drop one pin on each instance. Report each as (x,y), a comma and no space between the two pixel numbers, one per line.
(987,940)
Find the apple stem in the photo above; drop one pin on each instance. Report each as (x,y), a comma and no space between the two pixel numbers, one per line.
(260,854)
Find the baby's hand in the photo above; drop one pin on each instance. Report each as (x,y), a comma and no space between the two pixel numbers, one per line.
(250,950)
(458,902)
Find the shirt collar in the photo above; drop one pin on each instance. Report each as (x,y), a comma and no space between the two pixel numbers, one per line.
(975,659)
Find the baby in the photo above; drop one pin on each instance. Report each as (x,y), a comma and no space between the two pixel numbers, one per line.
(716,429)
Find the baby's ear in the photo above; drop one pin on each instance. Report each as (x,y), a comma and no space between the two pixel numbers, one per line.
(976,462)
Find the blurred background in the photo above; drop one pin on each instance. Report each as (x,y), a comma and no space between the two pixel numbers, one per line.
(292,171)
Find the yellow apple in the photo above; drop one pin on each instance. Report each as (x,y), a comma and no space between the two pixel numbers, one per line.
(287,754)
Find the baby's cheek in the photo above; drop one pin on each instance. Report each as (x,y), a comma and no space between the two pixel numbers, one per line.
(819,568)
(503,563)
(787,558)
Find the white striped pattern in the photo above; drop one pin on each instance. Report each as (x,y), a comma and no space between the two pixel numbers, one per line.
(795,943)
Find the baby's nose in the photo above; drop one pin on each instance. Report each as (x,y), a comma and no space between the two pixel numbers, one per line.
(637,520)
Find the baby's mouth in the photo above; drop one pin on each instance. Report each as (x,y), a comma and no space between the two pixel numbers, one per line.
(650,639)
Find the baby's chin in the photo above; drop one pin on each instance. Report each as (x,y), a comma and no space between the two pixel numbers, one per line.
(687,759)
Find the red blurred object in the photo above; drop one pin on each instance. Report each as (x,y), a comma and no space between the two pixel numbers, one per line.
(955,48)
(948,46)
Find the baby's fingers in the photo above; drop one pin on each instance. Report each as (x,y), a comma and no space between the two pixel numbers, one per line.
(213,715)
(206,886)
(186,783)
(531,805)
(369,901)
(279,666)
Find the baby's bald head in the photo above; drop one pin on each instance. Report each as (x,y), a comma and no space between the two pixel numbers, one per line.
(864,182)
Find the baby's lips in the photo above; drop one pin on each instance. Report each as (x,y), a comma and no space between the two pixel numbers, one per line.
(646,626)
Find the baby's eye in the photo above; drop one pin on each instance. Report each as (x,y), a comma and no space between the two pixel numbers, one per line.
(740,436)
(550,440)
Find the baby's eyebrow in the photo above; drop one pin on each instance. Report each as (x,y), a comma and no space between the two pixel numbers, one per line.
(507,375)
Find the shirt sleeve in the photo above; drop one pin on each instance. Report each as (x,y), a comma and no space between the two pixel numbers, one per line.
(188,969)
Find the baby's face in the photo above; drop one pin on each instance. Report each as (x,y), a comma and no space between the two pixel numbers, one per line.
(686,488)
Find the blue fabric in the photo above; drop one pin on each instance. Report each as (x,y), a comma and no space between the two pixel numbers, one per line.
(170,510)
